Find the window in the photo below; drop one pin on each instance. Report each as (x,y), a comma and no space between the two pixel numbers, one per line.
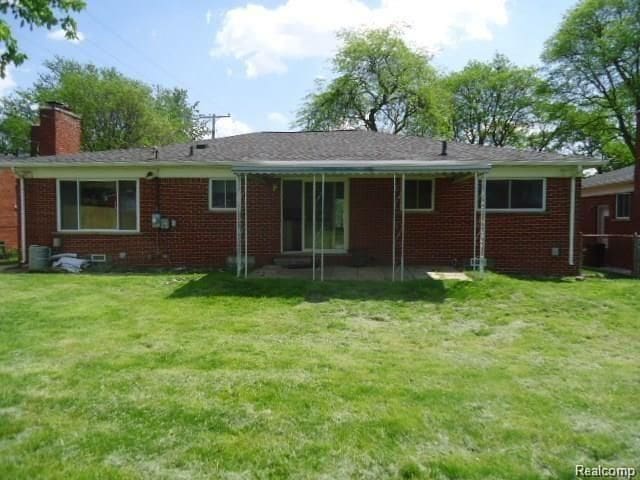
(623,206)
(519,195)
(222,194)
(418,194)
(98,205)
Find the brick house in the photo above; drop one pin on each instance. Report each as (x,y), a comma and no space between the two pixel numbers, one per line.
(379,199)
(608,209)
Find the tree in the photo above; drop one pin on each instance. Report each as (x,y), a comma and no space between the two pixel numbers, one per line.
(34,13)
(380,84)
(182,115)
(117,112)
(492,102)
(593,62)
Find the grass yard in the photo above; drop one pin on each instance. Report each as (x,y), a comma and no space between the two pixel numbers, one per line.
(203,376)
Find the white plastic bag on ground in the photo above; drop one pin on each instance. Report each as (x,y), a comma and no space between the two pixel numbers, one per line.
(70,264)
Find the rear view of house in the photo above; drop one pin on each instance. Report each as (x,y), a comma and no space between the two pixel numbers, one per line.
(341,197)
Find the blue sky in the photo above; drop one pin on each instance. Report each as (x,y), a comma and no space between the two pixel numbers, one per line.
(258,59)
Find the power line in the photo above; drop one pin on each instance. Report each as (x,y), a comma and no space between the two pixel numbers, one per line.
(115,57)
(213,117)
(137,50)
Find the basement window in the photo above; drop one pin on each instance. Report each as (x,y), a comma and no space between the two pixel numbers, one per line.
(98,205)
(222,194)
(623,206)
(514,195)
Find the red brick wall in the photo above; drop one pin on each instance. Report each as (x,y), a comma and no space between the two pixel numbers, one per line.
(619,251)
(516,242)
(201,238)
(441,237)
(8,209)
(523,241)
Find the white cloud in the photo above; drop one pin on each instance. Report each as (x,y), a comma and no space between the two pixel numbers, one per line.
(59,35)
(277,118)
(265,39)
(226,127)
(208,16)
(7,83)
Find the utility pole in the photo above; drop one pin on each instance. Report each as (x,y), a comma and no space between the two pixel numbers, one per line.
(213,117)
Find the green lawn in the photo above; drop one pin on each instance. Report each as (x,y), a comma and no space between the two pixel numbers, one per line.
(205,376)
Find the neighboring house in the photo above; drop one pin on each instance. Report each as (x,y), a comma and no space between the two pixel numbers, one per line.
(8,207)
(607,209)
(387,200)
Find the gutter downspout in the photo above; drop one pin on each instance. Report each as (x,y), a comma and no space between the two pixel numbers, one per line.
(572,221)
(483,222)
(23,218)
(475,221)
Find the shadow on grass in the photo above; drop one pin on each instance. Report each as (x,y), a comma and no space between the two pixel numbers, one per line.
(595,272)
(216,284)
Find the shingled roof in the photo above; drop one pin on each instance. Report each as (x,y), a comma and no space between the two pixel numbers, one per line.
(345,145)
(621,175)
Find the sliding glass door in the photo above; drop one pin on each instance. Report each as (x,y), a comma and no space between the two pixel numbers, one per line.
(297,216)
(334,207)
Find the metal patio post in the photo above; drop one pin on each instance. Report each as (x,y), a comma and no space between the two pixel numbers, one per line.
(322,231)
(393,232)
(246,225)
(238,220)
(402,236)
(313,231)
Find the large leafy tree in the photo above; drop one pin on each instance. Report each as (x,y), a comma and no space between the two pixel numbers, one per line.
(117,112)
(492,102)
(380,84)
(33,13)
(593,62)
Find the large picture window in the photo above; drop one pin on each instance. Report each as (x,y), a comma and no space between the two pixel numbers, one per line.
(418,194)
(623,206)
(222,194)
(104,205)
(518,195)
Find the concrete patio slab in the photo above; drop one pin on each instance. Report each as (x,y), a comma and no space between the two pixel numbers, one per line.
(448,274)
(368,273)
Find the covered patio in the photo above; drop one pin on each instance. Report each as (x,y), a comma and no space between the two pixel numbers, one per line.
(317,190)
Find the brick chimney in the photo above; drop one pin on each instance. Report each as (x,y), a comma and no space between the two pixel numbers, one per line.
(58,131)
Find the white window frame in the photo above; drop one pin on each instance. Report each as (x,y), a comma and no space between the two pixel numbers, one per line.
(628,217)
(518,210)
(220,209)
(433,195)
(97,230)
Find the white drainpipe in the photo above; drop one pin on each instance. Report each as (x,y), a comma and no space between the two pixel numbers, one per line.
(23,225)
